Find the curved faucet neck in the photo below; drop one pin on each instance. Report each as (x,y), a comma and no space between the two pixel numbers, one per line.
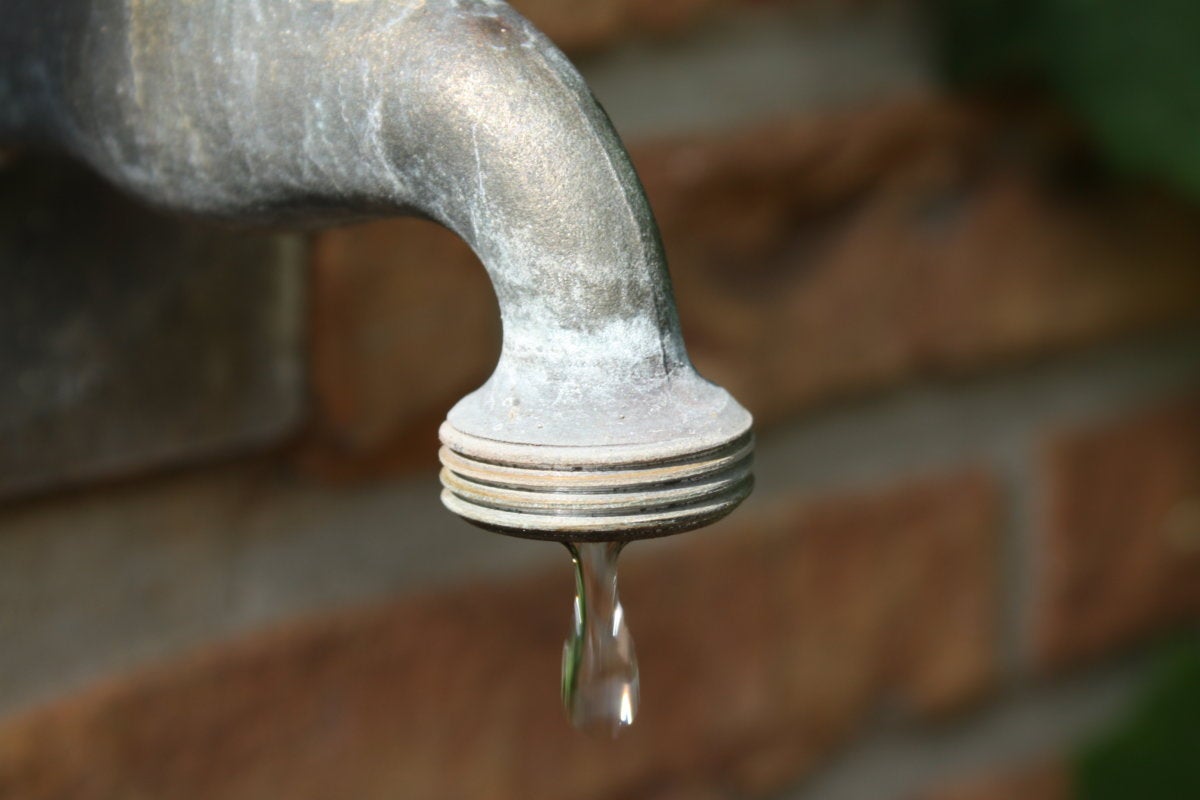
(456,110)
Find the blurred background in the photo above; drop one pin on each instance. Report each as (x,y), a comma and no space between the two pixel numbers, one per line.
(948,254)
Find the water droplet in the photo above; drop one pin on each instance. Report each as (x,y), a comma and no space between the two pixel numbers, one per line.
(600,674)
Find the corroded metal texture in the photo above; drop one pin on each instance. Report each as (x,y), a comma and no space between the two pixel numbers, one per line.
(458,110)
(584,501)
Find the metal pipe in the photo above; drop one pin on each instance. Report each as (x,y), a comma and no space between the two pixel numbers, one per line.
(594,424)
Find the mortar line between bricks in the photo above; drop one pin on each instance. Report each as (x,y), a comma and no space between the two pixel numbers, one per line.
(1028,534)
(1016,557)
(887,44)
(996,420)
(1021,725)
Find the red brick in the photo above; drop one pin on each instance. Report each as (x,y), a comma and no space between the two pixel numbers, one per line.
(404,322)
(576,26)
(587,25)
(824,257)
(1120,550)
(762,649)
(1048,780)
(812,259)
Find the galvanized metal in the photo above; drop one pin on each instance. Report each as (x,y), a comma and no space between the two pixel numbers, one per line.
(594,424)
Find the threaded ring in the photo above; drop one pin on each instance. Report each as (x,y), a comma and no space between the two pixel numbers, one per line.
(592,493)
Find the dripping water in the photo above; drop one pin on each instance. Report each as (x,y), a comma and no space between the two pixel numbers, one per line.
(600,673)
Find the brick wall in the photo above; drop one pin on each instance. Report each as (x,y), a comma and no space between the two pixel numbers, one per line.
(976,370)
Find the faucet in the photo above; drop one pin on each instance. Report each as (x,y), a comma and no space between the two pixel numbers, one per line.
(594,425)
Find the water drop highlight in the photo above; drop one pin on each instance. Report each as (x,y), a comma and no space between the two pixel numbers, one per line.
(600,685)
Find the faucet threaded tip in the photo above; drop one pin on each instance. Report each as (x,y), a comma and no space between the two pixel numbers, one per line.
(611,493)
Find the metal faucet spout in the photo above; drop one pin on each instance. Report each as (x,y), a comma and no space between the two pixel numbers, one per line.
(594,424)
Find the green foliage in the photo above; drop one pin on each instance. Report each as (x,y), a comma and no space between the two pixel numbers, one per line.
(1130,70)
(1153,754)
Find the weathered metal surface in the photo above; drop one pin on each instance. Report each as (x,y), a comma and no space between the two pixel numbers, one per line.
(129,338)
(457,110)
(599,501)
